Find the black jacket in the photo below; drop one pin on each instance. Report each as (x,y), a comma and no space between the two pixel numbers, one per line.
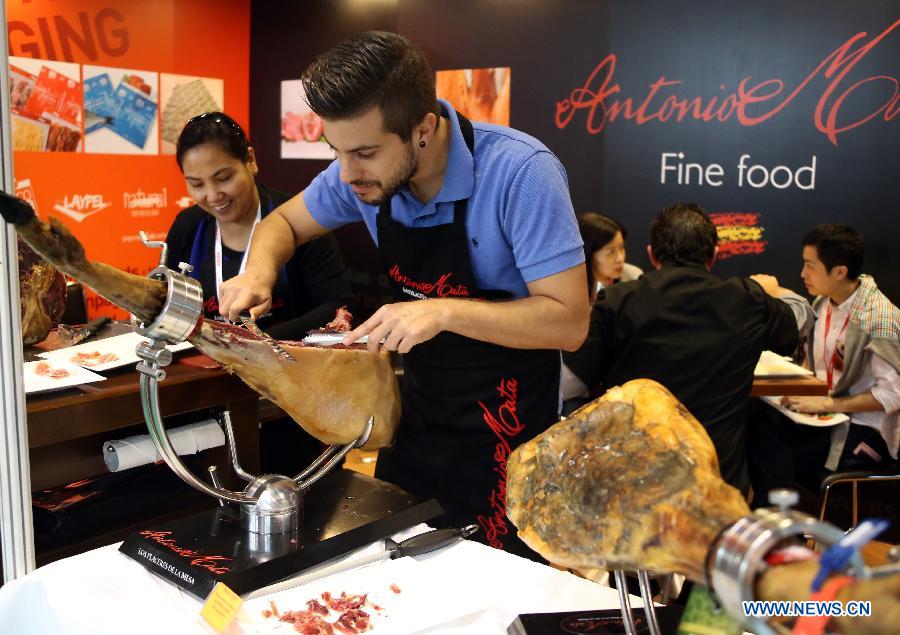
(314,281)
(699,336)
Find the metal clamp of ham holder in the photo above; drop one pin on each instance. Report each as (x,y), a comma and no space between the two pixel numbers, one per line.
(270,503)
(738,556)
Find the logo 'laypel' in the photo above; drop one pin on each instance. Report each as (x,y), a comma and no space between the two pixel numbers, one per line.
(81,206)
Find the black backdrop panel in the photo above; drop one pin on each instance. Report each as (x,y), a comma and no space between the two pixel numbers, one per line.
(829,58)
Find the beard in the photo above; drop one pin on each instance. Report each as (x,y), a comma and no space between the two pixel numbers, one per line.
(401,177)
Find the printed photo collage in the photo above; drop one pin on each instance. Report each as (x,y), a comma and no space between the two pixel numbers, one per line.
(65,107)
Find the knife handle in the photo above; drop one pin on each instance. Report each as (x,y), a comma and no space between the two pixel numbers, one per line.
(97,323)
(430,541)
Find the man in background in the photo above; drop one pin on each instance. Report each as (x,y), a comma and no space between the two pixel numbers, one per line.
(855,349)
(694,333)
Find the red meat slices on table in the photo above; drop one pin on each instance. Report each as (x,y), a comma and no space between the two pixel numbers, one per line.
(315,620)
(307,623)
(45,370)
(93,358)
(353,621)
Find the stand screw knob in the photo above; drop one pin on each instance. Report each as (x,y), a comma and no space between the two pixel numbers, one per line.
(893,554)
(185,268)
(783,499)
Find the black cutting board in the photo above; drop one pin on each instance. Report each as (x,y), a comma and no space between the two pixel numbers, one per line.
(342,512)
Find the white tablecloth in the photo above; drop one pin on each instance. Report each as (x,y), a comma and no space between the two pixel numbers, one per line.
(102,592)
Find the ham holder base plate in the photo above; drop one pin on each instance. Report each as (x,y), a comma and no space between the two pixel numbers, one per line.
(345,511)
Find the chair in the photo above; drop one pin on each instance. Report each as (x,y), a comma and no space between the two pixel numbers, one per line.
(889,473)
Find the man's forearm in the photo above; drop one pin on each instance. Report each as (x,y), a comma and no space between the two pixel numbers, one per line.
(533,322)
(273,245)
(803,313)
(863,402)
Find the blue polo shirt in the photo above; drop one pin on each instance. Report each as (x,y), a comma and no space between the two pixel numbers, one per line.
(519,220)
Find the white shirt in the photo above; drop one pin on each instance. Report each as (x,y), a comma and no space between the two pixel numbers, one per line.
(877,375)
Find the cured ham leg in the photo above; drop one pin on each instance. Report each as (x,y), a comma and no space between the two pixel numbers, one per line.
(631,481)
(42,291)
(331,392)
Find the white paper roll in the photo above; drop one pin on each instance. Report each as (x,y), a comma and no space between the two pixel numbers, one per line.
(139,450)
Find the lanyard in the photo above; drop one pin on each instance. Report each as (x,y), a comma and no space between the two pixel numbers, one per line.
(218,250)
(829,368)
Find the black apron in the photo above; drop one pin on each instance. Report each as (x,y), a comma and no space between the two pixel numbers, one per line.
(466,403)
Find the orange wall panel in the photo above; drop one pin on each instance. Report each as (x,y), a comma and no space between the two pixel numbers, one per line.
(203,38)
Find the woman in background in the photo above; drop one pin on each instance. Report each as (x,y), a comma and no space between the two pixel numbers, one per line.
(219,167)
(604,252)
(604,255)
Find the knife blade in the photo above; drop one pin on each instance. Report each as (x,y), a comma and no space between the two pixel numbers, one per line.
(81,333)
(417,545)
(329,338)
(250,324)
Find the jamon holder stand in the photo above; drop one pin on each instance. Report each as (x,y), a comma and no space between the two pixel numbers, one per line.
(268,543)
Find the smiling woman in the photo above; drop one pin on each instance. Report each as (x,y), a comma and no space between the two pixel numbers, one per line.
(213,236)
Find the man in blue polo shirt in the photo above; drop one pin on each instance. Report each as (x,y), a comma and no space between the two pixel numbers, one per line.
(479,240)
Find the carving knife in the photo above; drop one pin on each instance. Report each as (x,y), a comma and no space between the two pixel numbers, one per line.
(329,338)
(417,545)
(248,322)
(78,334)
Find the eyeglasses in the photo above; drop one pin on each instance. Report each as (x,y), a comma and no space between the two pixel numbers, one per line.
(219,117)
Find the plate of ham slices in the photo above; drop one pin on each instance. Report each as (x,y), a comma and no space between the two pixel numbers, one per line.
(100,355)
(46,375)
(394,596)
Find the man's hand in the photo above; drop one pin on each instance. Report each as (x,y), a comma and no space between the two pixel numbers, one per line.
(768,283)
(402,325)
(244,292)
(809,405)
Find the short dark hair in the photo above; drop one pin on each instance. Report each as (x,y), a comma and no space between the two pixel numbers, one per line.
(597,230)
(376,68)
(837,245)
(683,234)
(213,127)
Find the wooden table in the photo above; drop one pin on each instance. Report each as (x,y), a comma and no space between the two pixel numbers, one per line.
(804,386)
(67,428)
(56,420)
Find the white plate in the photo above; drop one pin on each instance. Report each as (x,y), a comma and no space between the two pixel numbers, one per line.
(76,376)
(119,351)
(818,421)
(416,602)
(772,365)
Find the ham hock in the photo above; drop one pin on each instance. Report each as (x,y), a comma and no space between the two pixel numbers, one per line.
(631,481)
(42,292)
(330,392)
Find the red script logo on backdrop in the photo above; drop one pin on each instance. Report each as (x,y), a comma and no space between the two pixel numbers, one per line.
(597,96)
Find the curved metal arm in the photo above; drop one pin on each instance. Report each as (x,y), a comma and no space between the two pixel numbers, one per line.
(156,355)
(647,597)
(329,452)
(624,602)
(335,458)
(232,449)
